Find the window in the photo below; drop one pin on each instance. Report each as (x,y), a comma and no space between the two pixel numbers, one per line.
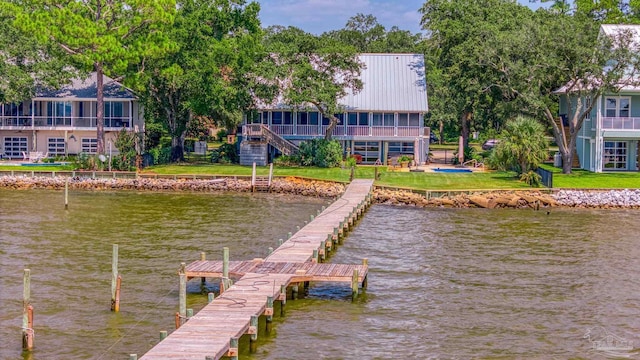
(363,118)
(14,146)
(414,119)
(59,113)
(265,117)
(617,107)
(401,147)
(403,119)
(313,118)
(303,118)
(352,119)
(370,150)
(276,118)
(288,120)
(55,146)
(383,119)
(615,155)
(325,120)
(89,145)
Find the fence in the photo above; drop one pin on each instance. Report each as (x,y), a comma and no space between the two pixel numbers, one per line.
(547,177)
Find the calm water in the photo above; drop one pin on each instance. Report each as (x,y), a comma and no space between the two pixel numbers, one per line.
(442,283)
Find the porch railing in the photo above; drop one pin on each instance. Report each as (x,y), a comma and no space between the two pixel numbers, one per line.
(60,121)
(340,130)
(616,123)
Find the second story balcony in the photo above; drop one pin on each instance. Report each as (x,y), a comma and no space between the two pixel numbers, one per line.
(621,123)
(61,123)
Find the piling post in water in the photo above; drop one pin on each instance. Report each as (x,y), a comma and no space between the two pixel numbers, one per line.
(133,356)
(116,307)
(354,284)
(289,235)
(253,178)
(182,309)
(66,194)
(27,312)
(225,269)
(270,250)
(253,331)
(365,262)
(268,312)
(203,280)
(189,314)
(114,279)
(233,348)
(163,335)
(283,298)
(323,250)
(280,242)
(315,256)
(210,297)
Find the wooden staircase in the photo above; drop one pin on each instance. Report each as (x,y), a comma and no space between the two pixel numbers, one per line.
(576,160)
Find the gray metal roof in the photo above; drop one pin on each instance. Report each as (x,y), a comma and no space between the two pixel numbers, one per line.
(391,82)
(87,89)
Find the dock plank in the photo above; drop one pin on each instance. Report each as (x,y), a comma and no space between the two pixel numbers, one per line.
(229,315)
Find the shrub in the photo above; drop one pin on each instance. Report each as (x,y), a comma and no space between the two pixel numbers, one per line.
(221,135)
(531,178)
(321,153)
(522,145)
(225,154)
(285,160)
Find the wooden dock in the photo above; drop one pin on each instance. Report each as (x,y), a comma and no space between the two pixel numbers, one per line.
(214,332)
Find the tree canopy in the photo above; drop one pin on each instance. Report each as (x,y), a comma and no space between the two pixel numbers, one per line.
(101,36)
(209,72)
(305,70)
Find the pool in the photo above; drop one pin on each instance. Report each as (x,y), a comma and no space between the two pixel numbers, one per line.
(41,164)
(452,170)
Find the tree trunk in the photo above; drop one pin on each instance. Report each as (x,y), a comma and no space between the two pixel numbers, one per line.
(177,148)
(567,161)
(441,128)
(100,108)
(333,122)
(465,122)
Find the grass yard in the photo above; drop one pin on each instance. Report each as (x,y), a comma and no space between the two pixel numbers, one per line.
(415,180)
(583,179)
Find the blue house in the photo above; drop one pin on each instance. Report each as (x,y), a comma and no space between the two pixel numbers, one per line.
(384,119)
(609,137)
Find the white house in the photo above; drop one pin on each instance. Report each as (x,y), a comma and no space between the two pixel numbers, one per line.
(384,119)
(63,121)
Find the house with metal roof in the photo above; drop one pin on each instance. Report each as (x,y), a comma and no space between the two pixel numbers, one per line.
(384,119)
(59,122)
(610,135)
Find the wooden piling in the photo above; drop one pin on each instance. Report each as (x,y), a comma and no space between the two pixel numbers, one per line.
(116,306)
(289,235)
(354,284)
(233,348)
(323,250)
(365,262)
(210,297)
(225,269)
(315,256)
(182,310)
(114,276)
(177,319)
(27,312)
(66,194)
(268,312)
(189,313)
(133,356)
(280,242)
(253,331)
(283,298)
(269,250)
(163,335)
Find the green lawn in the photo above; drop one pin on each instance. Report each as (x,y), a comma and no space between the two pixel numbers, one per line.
(40,167)
(582,179)
(421,181)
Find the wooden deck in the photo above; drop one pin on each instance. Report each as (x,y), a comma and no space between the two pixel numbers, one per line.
(213,332)
(307,271)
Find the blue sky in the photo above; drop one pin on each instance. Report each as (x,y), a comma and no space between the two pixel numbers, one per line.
(318,16)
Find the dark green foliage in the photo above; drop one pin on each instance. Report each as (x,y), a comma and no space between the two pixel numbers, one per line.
(289,161)
(321,153)
(522,146)
(221,135)
(531,178)
(225,154)
(161,155)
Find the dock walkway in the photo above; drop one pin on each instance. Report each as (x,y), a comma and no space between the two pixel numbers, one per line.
(213,333)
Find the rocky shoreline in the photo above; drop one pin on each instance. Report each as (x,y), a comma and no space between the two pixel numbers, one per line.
(609,199)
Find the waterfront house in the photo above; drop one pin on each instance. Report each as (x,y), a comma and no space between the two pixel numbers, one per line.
(59,122)
(608,140)
(384,119)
